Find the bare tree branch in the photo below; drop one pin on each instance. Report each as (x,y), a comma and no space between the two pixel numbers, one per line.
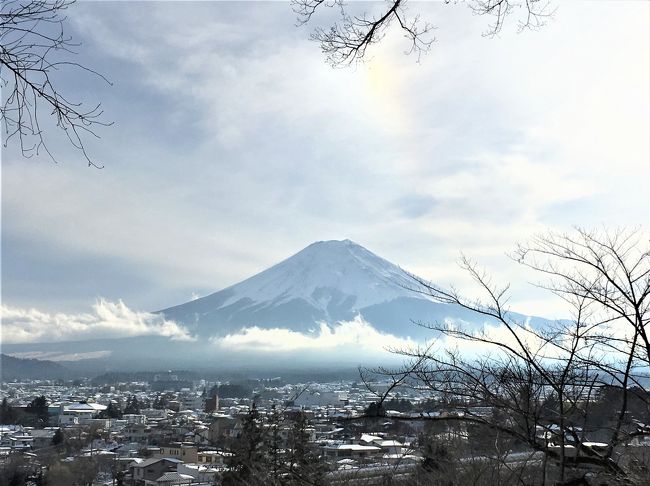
(347,41)
(546,382)
(33,47)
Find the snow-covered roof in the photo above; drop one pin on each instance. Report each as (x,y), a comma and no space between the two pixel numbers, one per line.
(153,460)
(174,476)
(216,453)
(389,443)
(346,461)
(594,444)
(370,438)
(353,447)
(85,407)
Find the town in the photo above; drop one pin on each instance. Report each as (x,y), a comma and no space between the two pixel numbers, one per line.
(174,431)
(170,429)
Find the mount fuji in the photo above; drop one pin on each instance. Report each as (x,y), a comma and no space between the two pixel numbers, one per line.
(327,296)
(328,281)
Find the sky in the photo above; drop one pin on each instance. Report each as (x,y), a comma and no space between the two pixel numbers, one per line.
(235,145)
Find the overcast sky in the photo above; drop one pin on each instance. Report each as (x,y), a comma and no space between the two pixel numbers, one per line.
(235,145)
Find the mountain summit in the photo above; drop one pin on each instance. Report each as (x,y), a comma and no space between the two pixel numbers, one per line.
(327,281)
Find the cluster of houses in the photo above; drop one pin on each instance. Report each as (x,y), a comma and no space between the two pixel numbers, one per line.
(187,440)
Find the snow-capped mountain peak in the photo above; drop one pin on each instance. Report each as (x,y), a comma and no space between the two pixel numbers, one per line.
(335,266)
(326,281)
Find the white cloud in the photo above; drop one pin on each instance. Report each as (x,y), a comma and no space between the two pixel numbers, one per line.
(356,334)
(107,320)
(359,338)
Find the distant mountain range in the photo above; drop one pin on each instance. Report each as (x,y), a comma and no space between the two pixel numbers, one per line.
(16,368)
(326,282)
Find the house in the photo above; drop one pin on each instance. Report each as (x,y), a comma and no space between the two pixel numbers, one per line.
(185,451)
(84,409)
(213,457)
(21,442)
(369,439)
(353,451)
(391,447)
(136,433)
(76,413)
(68,419)
(7,431)
(132,418)
(43,437)
(146,473)
(223,429)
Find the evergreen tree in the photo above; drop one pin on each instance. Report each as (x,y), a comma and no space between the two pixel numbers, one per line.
(7,413)
(112,411)
(14,471)
(38,408)
(58,437)
(159,402)
(305,466)
(275,450)
(375,409)
(132,405)
(249,463)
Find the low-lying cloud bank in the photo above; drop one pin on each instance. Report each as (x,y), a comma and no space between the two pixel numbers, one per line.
(107,320)
(59,356)
(489,338)
(359,338)
(356,334)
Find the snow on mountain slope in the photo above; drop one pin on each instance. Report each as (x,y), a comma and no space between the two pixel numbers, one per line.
(327,281)
(343,266)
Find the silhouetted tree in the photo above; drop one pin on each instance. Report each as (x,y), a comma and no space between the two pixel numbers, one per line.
(58,437)
(7,413)
(113,411)
(34,47)
(159,402)
(38,408)
(305,466)
(274,443)
(249,463)
(14,471)
(347,40)
(132,405)
(544,383)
